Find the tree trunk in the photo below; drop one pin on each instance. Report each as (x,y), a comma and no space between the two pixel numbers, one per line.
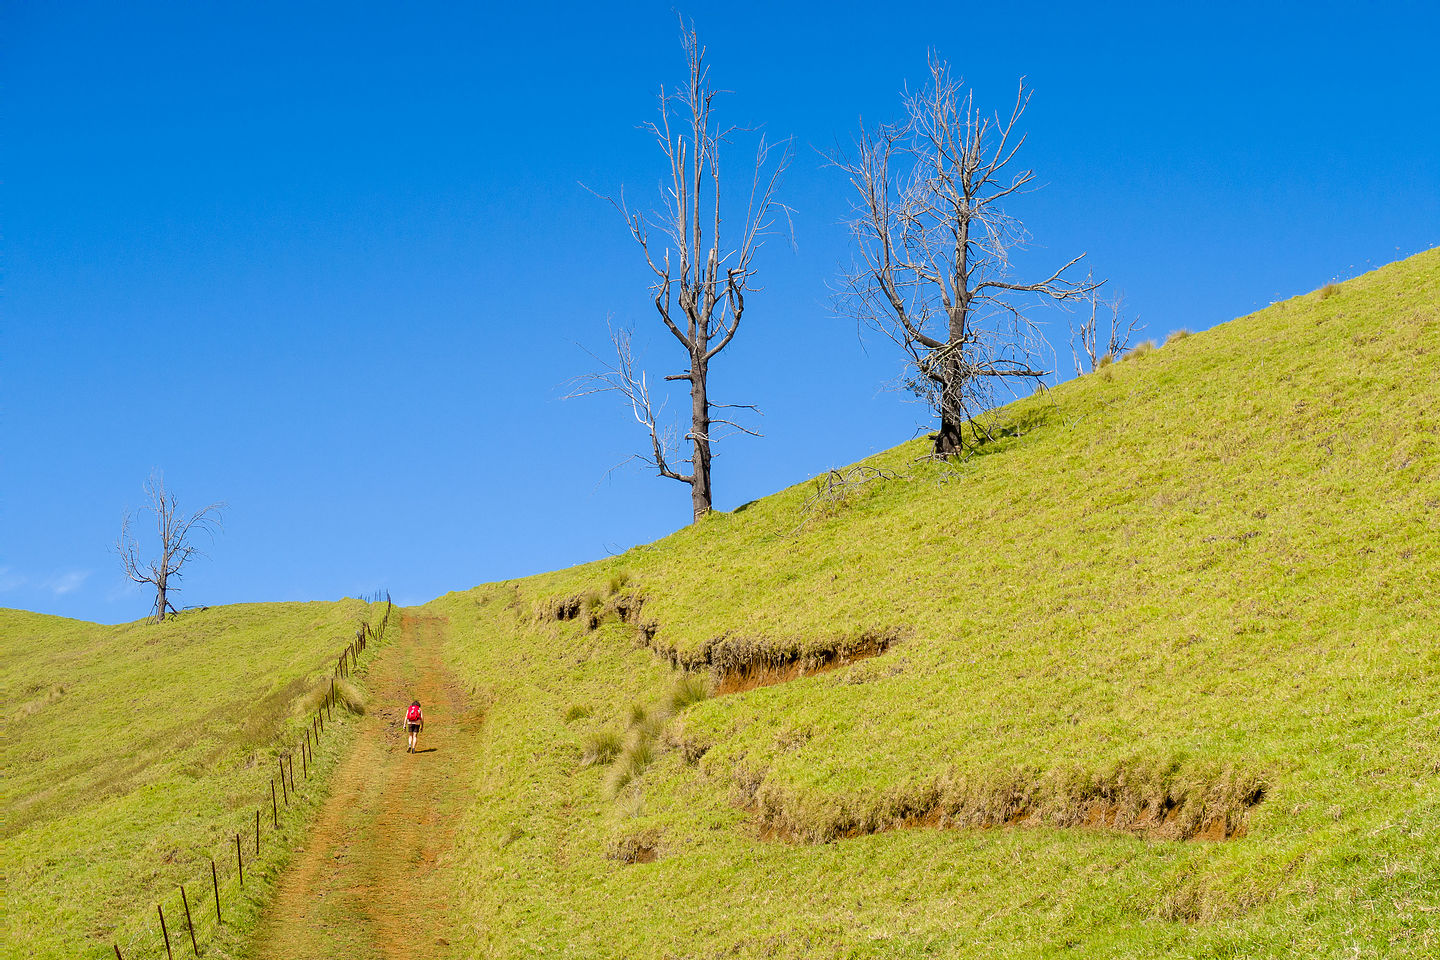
(700,436)
(160,602)
(950,439)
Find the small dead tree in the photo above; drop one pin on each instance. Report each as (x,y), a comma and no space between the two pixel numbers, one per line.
(933,243)
(1100,339)
(174,530)
(700,281)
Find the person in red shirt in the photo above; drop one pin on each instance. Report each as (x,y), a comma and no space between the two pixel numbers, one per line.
(414,723)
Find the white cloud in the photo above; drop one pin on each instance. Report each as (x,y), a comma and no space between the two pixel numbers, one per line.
(58,584)
(67,582)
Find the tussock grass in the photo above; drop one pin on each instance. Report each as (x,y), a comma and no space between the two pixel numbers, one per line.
(1329,290)
(577,711)
(1176,335)
(1141,349)
(600,747)
(348,697)
(639,752)
(689,689)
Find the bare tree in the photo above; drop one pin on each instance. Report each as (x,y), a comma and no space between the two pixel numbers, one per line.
(1099,340)
(174,530)
(700,282)
(933,242)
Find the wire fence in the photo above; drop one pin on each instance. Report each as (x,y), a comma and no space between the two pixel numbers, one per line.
(197,909)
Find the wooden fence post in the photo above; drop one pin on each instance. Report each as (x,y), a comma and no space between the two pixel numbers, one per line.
(292,773)
(117,952)
(304,763)
(185,900)
(283,792)
(165,932)
(257,822)
(240,859)
(274,809)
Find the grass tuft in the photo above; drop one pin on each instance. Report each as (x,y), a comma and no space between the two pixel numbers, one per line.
(1143,348)
(577,711)
(689,689)
(638,754)
(1329,290)
(599,747)
(1176,335)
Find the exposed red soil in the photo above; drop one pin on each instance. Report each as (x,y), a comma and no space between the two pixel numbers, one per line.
(749,676)
(1098,815)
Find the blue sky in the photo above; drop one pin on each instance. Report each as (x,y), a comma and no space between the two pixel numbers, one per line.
(332,264)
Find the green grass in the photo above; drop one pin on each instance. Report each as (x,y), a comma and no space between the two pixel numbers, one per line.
(1203,574)
(132,754)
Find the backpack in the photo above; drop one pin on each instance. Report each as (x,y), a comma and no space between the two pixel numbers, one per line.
(412,715)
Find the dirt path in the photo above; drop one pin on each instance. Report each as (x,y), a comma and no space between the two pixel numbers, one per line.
(365,884)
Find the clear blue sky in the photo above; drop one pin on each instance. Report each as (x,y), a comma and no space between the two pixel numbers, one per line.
(331,263)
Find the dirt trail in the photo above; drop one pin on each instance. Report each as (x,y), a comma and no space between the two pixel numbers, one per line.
(365,885)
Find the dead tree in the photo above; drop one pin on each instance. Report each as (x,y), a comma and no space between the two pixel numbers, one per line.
(700,281)
(933,242)
(174,530)
(1101,339)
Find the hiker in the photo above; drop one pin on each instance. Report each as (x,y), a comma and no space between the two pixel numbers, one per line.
(414,723)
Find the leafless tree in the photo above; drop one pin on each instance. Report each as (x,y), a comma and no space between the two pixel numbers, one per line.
(933,244)
(174,530)
(1101,339)
(700,281)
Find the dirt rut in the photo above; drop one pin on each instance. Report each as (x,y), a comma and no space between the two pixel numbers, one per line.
(366,885)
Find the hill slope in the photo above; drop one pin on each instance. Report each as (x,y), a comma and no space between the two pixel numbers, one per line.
(1159,679)
(131,754)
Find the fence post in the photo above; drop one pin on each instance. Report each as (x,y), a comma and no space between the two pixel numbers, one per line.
(304,763)
(185,900)
(292,773)
(239,860)
(215,879)
(274,808)
(117,952)
(283,792)
(165,932)
(257,823)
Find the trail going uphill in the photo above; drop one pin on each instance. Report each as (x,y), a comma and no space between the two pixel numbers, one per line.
(366,884)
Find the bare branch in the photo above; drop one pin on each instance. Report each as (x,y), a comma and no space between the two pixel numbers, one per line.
(701,295)
(933,245)
(173,532)
(1087,345)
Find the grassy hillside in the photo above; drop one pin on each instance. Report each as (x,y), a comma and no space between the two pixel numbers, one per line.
(1161,680)
(129,755)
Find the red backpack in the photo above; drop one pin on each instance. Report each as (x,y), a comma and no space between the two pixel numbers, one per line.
(413,714)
